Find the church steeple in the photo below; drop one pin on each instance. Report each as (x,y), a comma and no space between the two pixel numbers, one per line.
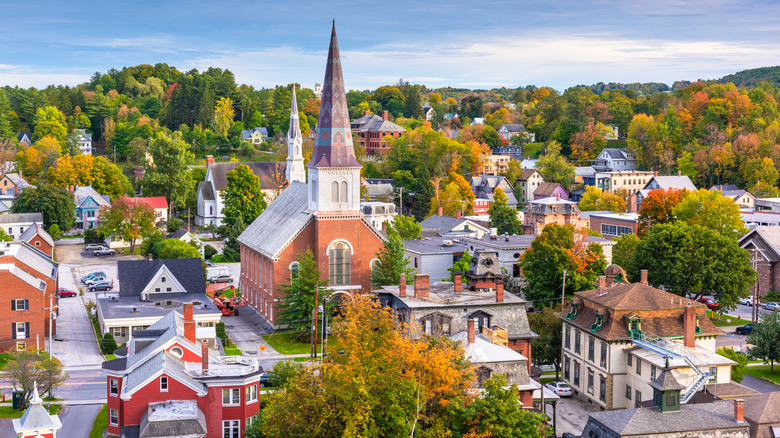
(334,172)
(295,170)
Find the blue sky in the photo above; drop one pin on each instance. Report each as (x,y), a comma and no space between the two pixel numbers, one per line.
(436,43)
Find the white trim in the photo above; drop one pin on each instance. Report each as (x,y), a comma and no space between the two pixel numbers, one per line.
(351,250)
(371,263)
(289,268)
(163,270)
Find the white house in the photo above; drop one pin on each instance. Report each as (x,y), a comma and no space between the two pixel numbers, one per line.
(84,140)
(14,224)
(615,160)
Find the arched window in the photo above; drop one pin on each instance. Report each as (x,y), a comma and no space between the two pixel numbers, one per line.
(339,261)
(294,267)
(314,190)
(334,192)
(343,197)
(211,210)
(177,351)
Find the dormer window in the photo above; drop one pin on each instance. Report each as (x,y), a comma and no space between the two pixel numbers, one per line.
(573,312)
(596,326)
(635,326)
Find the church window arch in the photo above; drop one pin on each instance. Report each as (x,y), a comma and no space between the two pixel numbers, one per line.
(294,268)
(334,191)
(339,262)
(343,192)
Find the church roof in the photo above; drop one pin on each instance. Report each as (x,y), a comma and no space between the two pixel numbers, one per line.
(267,172)
(280,222)
(333,144)
(36,416)
(295,125)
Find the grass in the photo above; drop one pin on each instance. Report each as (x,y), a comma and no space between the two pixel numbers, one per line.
(4,358)
(288,342)
(532,150)
(763,372)
(546,380)
(101,423)
(7,411)
(49,399)
(232,350)
(725,320)
(136,250)
(111,356)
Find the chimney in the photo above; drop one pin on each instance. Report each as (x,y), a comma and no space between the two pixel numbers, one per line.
(384,115)
(150,257)
(721,189)
(632,203)
(365,112)
(71,188)
(458,214)
(421,285)
(441,211)
(458,282)
(655,173)
(602,282)
(471,335)
(204,355)
(209,160)
(557,196)
(679,173)
(643,277)
(689,326)
(402,286)
(189,323)
(739,410)
(499,291)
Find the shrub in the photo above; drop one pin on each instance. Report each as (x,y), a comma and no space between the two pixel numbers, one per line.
(108,344)
(221,333)
(772,295)
(209,252)
(283,371)
(174,224)
(737,370)
(94,236)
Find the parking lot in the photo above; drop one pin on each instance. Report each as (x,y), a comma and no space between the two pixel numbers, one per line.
(75,263)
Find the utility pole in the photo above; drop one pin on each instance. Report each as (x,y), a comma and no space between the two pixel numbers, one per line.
(52,317)
(401,201)
(314,324)
(563,291)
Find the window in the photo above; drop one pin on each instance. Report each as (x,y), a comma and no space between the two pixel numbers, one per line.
(591,347)
(339,260)
(294,268)
(231,429)
(21,346)
(231,396)
(249,421)
(20,305)
(251,393)
(637,397)
(20,330)
(567,336)
(628,392)
(157,289)
(113,387)
(602,388)
(211,210)
(566,364)
(164,384)
(577,342)
(629,360)
(162,279)
(113,417)
(334,191)
(168,289)
(590,382)
(652,373)
(638,366)
(603,354)
(615,230)
(576,373)
(343,193)
(118,332)
(714,372)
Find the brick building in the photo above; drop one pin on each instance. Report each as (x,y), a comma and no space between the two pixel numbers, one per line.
(545,211)
(36,236)
(371,130)
(322,215)
(763,244)
(167,381)
(612,225)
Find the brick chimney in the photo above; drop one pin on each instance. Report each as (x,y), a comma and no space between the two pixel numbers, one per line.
(365,112)
(655,173)
(402,286)
(499,291)
(385,115)
(471,335)
(209,160)
(689,326)
(421,285)
(458,282)
(204,355)
(71,189)
(557,196)
(643,277)
(441,211)
(602,282)
(679,173)
(632,203)
(739,410)
(458,214)
(189,323)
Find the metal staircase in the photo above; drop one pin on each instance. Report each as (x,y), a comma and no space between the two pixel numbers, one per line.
(665,347)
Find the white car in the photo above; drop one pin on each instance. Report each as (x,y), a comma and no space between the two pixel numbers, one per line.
(746,301)
(561,389)
(771,306)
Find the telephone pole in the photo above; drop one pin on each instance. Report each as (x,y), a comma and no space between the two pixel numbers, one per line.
(563,291)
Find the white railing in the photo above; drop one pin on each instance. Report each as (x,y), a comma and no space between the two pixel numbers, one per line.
(231,366)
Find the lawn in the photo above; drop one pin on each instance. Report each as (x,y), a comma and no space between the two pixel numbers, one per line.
(288,342)
(101,423)
(533,150)
(4,357)
(723,320)
(763,372)
(6,411)
(232,350)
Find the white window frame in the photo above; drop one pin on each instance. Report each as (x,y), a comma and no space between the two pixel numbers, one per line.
(21,346)
(251,394)
(231,428)
(113,417)
(113,387)
(163,383)
(21,334)
(23,305)
(233,396)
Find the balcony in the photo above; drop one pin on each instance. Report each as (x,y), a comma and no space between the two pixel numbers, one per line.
(497,335)
(231,366)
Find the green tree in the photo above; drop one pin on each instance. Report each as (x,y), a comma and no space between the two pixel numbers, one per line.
(49,121)
(624,250)
(176,249)
(129,219)
(243,196)
(51,375)
(554,168)
(232,249)
(766,339)
(547,347)
(738,369)
(56,203)
(709,208)
(560,248)
(406,227)
(691,260)
(283,372)
(54,232)
(170,175)
(108,344)
(25,368)
(304,284)
(502,216)
(392,261)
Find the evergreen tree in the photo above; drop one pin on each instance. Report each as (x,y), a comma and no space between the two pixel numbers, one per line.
(502,216)
(232,249)
(423,194)
(766,339)
(297,302)
(392,262)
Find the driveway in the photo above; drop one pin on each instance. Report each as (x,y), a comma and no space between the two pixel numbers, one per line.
(572,415)
(77,420)
(75,343)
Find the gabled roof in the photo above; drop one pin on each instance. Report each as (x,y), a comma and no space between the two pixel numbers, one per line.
(134,275)
(527,174)
(33,258)
(484,351)
(246,133)
(153,201)
(161,363)
(206,189)
(24,136)
(445,224)
(21,218)
(280,222)
(673,182)
(763,408)
(374,123)
(178,234)
(618,153)
(83,193)
(546,189)
(18,180)
(34,229)
(768,244)
(266,172)
(512,127)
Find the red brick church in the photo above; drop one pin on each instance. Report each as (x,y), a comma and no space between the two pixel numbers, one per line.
(323,214)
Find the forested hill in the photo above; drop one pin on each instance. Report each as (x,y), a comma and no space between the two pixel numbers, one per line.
(750,78)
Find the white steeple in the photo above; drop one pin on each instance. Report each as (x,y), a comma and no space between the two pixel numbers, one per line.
(295,170)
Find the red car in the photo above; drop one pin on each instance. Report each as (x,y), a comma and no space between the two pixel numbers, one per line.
(711,304)
(64,293)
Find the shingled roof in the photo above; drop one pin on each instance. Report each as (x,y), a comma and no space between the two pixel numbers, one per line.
(134,275)
(267,172)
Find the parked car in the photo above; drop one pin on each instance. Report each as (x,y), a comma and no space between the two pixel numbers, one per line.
(92,246)
(568,435)
(104,251)
(103,285)
(64,293)
(95,279)
(265,380)
(746,301)
(92,275)
(222,278)
(771,306)
(745,329)
(562,389)
(711,304)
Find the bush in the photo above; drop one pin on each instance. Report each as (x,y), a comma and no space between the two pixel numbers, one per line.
(221,333)
(108,344)
(772,295)
(737,370)
(94,236)
(209,252)
(284,371)
(174,224)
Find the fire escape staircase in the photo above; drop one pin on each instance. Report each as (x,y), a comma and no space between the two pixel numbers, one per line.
(665,347)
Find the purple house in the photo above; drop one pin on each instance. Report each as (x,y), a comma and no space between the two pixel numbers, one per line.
(550,190)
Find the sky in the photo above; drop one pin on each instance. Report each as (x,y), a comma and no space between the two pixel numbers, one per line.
(435,43)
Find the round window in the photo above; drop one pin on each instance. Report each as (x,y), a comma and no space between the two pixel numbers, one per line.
(177,351)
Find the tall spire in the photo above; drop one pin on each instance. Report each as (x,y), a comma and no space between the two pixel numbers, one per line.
(333,145)
(295,170)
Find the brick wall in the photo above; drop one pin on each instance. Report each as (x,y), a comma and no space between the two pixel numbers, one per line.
(14,288)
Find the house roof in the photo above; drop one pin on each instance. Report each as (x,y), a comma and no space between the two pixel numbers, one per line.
(280,222)
(763,408)
(724,187)
(618,153)
(484,351)
(134,275)
(527,173)
(21,218)
(18,180)
(435,245)
(445,224)
(178,234)
(33,258)
(246,133)
(82,193)
(130,308)
(375,123)
(33,230)
(153,201)
(768,244)
(513,127)
(267,172)
(173,418)
(206,189)
(674,182)
(546,189)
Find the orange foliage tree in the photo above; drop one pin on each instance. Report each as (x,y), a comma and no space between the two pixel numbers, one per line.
(658,206)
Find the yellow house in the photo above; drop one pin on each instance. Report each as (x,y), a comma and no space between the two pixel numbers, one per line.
(255,136)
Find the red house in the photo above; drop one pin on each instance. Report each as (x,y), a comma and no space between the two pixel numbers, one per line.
(169,382)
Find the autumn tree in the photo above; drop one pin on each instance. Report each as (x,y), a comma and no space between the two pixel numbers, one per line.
(169,173)
(49,121)
(223,117)
(129,219)
(709,208)
(595,199)
(243,196)
(588,142)
(392,261)
(453,194)
(25,368)
(89,170)
(299,292)
(502,216)
(554,168)
(658,207)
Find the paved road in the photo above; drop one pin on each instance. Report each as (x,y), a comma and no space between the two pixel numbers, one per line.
(75,343)
(77,420)
(572,415)
(759,385)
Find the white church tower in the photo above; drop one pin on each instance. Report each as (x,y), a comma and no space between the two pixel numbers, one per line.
(295,170)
